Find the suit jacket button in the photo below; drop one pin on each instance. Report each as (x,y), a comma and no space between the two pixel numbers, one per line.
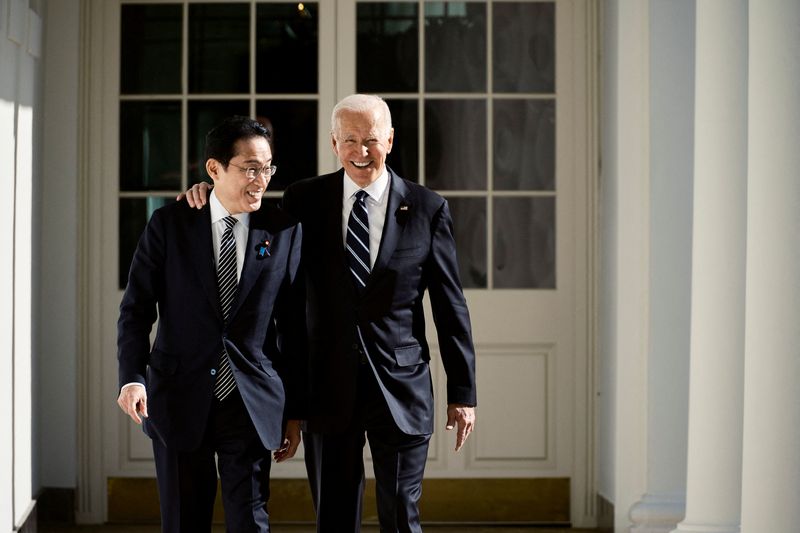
(355,346)
(213,371)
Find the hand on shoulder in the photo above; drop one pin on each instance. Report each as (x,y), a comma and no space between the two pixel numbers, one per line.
(197,195)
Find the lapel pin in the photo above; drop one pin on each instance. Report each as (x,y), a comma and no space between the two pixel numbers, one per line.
(262,249)
(403,213)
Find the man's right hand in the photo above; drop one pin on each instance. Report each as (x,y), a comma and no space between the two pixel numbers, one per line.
(197,196)
(133,402)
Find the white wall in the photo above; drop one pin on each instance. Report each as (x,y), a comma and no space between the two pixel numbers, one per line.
(8,103)
(58,249)
(20,46)
(606,360)
(624,291)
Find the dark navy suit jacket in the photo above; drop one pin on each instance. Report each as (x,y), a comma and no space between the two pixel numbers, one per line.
(173,272)
(386,323)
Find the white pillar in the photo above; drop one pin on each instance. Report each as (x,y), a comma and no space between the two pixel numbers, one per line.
(713,493)
(671,51)
(771,454)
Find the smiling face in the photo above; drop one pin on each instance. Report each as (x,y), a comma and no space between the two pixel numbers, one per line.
(362,143)
(235,191)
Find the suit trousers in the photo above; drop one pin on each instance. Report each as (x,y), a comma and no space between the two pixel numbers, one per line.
(187,480)
(335,466)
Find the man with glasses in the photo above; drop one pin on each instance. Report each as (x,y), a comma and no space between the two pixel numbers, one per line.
(373,244)
(221,379)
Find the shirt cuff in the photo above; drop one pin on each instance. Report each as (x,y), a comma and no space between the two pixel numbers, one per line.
(131,384)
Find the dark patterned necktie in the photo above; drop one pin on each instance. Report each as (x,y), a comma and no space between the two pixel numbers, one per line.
(358,241)
(226,279)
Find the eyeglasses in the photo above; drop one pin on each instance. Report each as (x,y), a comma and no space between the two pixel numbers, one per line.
(252,172)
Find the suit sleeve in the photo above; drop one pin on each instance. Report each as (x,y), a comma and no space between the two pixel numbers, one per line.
(450,313)
(288,203)
(138,310)
(290,325)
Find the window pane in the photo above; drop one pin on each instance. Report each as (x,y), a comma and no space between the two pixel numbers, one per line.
(524,243)
(151,49)
(294,138)
(387,47)
(455,144)
(204,115)
(133,216)
(149,146)
(219,42)
(404,158)
(524,47)
(524,145)
(455,47)
(469,226)
(286,48)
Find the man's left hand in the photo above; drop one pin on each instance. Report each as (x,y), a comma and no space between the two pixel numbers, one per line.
(462,416)
(291,440)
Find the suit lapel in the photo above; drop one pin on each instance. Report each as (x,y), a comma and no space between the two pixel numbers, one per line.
(333,221)
(252,263)
(201,251)
(397,212)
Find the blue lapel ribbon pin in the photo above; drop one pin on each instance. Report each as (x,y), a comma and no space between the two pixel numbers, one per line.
(262,249)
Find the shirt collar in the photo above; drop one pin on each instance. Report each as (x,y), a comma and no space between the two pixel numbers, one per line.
(375,190)
(218,211)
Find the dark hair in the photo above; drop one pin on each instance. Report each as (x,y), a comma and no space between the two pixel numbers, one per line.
(221,140)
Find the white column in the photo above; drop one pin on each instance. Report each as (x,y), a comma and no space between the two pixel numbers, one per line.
(713,493)
(771,453)
(671,74)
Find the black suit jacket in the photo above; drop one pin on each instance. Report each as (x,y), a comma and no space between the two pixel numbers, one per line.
(173,272)
(386,324)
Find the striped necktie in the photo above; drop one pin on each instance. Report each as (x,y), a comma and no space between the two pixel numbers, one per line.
(226,278)
(358,241)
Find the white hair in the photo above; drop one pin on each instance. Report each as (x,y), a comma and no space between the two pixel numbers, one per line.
(363,103)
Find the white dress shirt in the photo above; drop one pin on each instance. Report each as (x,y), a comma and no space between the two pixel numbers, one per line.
(377,201)
(240,229)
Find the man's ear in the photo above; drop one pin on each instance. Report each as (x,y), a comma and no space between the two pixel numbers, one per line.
(212,168)
(333,144)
